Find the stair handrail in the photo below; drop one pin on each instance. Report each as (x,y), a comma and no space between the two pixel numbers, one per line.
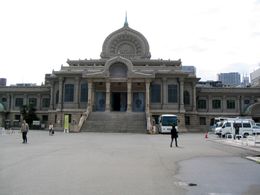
(82,119)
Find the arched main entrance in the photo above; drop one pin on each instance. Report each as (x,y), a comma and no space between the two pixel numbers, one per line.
(254,111)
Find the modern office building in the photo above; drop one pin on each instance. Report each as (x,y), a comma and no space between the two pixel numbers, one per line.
(255,77)
(245,81)
(125,91)
(231,78)
(2,81)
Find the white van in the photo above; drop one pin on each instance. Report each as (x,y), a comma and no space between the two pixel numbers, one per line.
(166,121)
(245,127)
(219,124)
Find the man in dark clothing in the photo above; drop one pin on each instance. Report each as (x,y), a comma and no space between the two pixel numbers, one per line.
(174,135)
(236,130)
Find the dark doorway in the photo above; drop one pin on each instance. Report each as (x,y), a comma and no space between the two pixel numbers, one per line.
(118,101)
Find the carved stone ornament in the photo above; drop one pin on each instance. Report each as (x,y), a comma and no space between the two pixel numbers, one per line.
(127,43)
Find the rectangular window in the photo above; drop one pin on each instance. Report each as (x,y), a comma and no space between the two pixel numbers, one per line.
(202,120)
(187,120)
(45,118)
(18,102)
(84,92)
(45,102)
(202,104)
(17,117)
(33,102)
(228,124)
(69,93)
(238,124)
(216,104)
(231,104)
(246,125)
(155,93)
(172,93)
(246,101)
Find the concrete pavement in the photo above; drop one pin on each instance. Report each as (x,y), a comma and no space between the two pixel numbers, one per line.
(243,143)
(99,163)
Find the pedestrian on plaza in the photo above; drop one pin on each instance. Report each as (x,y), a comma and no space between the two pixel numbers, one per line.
(174,135)
(236,126)
(51,130)
(24,130)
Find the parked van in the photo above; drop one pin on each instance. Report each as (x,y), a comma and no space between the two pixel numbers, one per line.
(218,128)
(166,121)
(219,124)
(245,127)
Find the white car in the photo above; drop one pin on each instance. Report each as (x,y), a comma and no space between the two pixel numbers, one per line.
(256,130)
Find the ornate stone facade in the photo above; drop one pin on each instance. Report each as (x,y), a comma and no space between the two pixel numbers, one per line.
(126,79)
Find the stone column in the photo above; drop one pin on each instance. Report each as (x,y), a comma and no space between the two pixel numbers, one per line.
(252,100)
(224,104)
(25,99)
(8,107)
(77,91)
(129,95)
(39,102)
(60,103)
(181,94)
(239,104)
(164,92)
(147,95)
(194,98)
(209,103)
(107,96)
(52,96)
(90,88)
(12,101)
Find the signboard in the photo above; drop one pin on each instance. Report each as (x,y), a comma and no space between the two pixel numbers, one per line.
(66,122)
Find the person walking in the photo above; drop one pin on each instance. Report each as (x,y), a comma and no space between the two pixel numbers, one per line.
(24,130)
(236,126)
(51,130)
(174,135)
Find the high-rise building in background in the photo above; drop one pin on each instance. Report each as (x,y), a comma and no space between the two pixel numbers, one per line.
(255,77)
(2,81)
(231,78)
(245,81)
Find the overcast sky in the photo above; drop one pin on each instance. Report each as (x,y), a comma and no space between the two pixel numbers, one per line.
(38,36)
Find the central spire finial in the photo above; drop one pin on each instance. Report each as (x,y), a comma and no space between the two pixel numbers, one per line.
(126,23)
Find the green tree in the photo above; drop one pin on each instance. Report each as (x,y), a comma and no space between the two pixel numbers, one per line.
(28,113)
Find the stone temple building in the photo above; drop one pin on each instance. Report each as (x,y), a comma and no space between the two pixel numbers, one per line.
(125,91)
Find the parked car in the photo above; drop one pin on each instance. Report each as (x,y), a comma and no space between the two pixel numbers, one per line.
(256,130)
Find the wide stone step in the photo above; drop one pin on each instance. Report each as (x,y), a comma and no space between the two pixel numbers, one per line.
(115,122)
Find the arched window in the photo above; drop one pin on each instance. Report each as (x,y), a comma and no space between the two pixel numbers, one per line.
(186,98)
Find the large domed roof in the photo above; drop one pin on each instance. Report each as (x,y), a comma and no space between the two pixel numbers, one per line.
(127,43)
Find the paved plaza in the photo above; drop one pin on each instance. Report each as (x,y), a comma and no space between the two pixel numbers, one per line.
(121,163)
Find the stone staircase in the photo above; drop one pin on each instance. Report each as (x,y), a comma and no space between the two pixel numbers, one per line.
(116,122)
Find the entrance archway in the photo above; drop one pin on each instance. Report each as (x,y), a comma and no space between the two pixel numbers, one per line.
(254,111)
